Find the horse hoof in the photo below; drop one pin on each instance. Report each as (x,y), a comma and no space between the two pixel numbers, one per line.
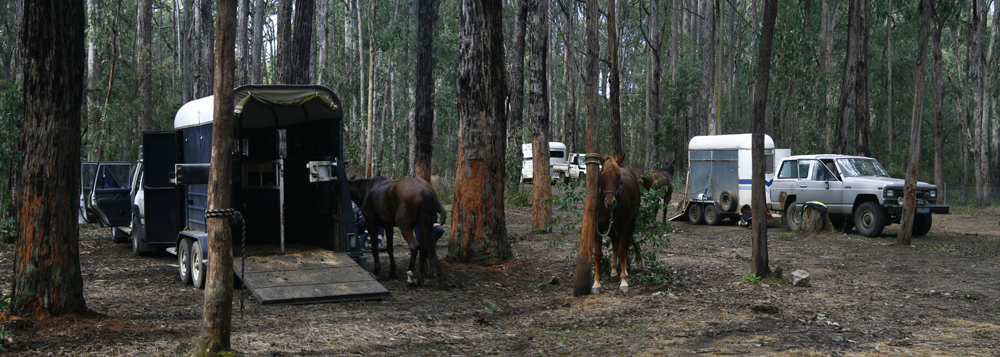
(624,288)
(409,278)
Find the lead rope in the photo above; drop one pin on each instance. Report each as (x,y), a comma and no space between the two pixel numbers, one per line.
(227,212)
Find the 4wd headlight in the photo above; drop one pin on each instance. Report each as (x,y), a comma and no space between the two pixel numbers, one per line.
(933,194)
(890,193)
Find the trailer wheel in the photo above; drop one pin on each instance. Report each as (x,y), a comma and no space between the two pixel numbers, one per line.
(695,214)
(793,217)
(728,201)
(712,215)
(869,219)
(197,265)
(184,260)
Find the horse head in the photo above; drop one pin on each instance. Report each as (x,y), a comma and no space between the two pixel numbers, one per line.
(611,180)
(359,188)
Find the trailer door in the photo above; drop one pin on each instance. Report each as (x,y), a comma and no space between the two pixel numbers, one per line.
(162,215)
(110,197)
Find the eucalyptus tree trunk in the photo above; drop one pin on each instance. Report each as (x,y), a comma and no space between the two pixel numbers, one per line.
(242,45)
(258,42)
(980,140)
(516,113)
(47,278)
(423,127)
(539,104)
(478,232)
(927,18)
(855,84)
(93,62)
(321,40)
(283,60)
(569,72)
(825,50)
(302,40)
(759,259)
(889,93)
(614,81)
(188,64)
(653,106)
(705,97)
(938,108)
(988,88)
(144,64)
(207,43)
(216,322)
(583,276)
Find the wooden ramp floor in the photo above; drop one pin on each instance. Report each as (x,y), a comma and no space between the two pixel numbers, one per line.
(309,277)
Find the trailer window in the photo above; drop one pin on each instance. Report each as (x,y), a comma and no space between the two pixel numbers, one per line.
(769,163)
(557,154)
(789,170)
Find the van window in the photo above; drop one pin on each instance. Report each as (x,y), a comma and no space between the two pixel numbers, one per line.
(557,154)
(789,170)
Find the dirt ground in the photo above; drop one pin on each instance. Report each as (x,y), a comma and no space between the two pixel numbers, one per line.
(938,296)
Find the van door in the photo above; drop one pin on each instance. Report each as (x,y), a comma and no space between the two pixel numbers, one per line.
(110,197)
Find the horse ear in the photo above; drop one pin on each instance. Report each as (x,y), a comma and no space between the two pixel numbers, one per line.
(620,160)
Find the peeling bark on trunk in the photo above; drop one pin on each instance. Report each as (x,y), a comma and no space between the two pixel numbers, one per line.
(759,258)
(47,277)
(479,233)
(539,105)
(216,324)
(583,276)
(927,18)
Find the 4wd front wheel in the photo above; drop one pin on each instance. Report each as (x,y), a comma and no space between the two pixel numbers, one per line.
(139,247)
(793,217)
(869,219)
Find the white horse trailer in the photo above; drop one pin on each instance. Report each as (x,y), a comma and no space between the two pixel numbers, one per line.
(558,165)
(719,176)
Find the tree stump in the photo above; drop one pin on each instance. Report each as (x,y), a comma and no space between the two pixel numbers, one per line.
(814,217)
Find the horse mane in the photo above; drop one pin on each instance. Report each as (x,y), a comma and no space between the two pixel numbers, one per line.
(668,169)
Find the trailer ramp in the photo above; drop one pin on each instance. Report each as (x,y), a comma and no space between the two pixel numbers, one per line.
(307,277)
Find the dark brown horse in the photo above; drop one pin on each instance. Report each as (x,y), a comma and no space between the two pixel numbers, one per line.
(616,218)
(655,180)
(408,203)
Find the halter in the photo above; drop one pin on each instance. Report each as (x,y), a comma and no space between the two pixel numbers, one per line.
(621,184)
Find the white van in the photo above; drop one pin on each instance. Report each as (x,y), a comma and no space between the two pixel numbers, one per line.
(558,166)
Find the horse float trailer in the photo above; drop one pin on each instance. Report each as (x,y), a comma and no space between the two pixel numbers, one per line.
(287,182)
(719,177)
(558,165)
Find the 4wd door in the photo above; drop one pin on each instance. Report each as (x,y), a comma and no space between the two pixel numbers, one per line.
(110,198)
(88,170)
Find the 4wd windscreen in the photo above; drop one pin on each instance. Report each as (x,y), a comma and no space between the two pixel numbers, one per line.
(861,167)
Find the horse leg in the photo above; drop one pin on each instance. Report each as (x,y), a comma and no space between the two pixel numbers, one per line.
(414,246)
(388,249)
(626,237)
(614,256)
(596,288)
(373,238)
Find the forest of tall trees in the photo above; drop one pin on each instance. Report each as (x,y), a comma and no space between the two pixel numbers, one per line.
(676,68)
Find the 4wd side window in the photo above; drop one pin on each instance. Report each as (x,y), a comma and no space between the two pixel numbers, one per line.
(789,170)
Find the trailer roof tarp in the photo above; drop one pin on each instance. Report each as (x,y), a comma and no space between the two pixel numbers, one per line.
(261,106)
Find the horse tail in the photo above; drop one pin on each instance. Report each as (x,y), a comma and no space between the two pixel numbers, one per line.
(429,206)
(441,210)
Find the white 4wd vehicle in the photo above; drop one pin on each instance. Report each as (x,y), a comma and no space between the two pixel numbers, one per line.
(856,190)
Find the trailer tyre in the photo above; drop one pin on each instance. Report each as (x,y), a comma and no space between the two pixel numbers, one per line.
(728,201)
(712,215)
(197,265)
(921,224)
(793,217)
(869,219)
(695,213)
(184,260)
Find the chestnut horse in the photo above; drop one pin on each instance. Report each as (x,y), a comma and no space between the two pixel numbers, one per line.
(407,203)
(655,180)
(616,218)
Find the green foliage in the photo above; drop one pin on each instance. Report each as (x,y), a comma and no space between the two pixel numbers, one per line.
(4,311)
(567,198)
(518,196)
(751,278)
